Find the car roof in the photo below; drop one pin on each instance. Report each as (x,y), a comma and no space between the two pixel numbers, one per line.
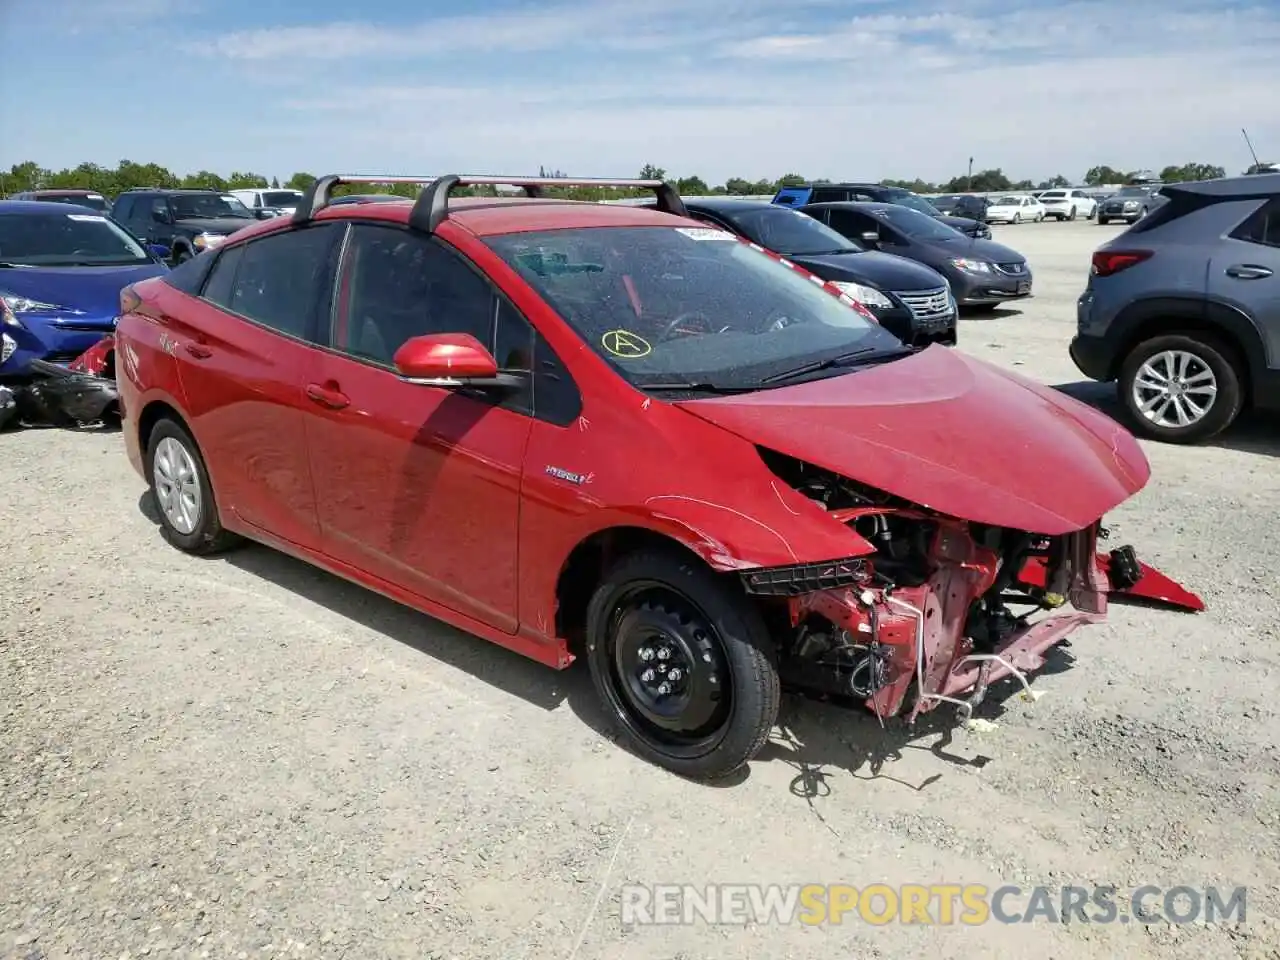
(494,216)
(729,204)
(70,192)
(1259,186)
(43,206)
(869,206)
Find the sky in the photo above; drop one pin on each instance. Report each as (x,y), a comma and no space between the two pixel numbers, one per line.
(840,89)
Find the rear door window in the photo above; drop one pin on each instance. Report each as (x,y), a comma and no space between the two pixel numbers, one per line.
(1263,227)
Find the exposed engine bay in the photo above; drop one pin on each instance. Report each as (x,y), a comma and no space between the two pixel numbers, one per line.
(942,607)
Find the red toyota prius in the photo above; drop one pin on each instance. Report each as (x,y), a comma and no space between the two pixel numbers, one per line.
(592,430)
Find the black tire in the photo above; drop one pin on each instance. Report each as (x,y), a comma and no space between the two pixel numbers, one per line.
(652,599)
(1210,351)
(1071,216)
(181,256)
(207,535)
(1103,221)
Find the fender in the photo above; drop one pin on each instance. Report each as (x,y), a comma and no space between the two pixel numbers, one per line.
(1148,317)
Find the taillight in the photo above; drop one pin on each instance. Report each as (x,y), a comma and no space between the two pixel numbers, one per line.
(1108,262)
(129,301)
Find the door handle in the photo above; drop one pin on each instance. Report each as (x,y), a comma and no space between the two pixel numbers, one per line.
(1248,271)
(199,351)
(330,397)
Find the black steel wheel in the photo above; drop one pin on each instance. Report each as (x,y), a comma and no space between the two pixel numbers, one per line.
(683,664)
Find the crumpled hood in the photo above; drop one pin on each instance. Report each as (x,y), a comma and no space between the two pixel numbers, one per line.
(95,291)
(949,432)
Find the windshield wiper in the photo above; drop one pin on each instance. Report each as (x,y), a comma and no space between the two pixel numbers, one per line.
(863,355)
(678,387)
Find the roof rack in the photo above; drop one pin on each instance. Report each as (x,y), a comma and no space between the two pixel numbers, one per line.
(432,205)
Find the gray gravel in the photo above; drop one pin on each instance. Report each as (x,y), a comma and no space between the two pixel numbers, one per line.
(243,757)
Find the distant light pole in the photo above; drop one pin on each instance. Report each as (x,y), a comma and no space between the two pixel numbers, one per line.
(968,180)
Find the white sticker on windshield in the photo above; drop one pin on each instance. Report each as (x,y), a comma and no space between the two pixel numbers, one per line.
(706,233)
(85,218)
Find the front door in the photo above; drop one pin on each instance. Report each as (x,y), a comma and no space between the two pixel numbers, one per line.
(1245,272)
(419,486)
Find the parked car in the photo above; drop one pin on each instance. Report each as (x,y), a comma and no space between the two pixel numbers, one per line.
(963,205)
(182,223)
(1131,203)
(1259,168)
(604,432)
(876,193)
(81,198)
(911,301)
(1182,310)
(1014,208)
(368,198)
(1068,204)
(982,274)
(61,275)
(266,202)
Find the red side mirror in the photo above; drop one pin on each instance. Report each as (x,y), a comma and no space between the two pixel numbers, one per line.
(445,359)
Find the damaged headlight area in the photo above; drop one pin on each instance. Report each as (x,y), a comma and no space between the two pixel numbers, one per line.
(83,392)
(938,610)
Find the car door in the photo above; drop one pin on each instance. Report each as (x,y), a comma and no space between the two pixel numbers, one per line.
(242,355)
(1245,272)
(417,485)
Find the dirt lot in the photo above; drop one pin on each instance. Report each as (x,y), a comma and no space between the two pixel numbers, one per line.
(244,757)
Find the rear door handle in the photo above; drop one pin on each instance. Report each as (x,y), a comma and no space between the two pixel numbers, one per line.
(1248,271)
(330,397)
(199,351)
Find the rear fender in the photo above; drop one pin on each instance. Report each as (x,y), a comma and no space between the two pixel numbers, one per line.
(1155,316)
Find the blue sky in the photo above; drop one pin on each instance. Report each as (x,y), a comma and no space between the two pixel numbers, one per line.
(823,88)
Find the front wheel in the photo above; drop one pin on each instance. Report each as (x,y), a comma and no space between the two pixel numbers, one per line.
(1072,214)
(1181,388)
(683,664)
(1103,221)
(1017,218)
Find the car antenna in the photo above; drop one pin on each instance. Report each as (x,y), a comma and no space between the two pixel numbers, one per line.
(1253,153)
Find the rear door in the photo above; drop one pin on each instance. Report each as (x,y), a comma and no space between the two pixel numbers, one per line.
(241,365)
(1245,272)
(420,486)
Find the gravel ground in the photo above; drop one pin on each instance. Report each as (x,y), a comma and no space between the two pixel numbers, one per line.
(244,757)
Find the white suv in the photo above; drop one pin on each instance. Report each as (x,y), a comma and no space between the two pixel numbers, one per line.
(1068,204)
(280,200)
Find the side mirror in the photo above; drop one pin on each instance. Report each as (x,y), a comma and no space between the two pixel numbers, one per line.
(449,360)
(161,216)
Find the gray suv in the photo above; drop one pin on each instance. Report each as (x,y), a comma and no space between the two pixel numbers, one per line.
(1182,310)
(1131,203)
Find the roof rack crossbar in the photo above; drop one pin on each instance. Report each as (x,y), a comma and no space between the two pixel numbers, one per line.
(432,205)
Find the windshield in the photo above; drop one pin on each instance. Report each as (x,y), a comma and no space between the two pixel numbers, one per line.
(908,199)
(915,224)
(67,240)
(92,201)
(281,198)
(689,305)
(789,232)
(1009,202)
(207,206)
(1053,195)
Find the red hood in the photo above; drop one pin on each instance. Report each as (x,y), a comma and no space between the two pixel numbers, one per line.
(949,432)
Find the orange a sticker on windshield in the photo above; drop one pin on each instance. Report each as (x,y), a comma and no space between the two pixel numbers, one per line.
(626,345)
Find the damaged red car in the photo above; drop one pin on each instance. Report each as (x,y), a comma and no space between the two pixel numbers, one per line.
(596,431)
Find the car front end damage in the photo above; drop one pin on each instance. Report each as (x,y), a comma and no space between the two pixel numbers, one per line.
(82,392)
(942,609)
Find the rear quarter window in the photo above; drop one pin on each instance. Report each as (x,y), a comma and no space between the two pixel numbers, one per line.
(189,277)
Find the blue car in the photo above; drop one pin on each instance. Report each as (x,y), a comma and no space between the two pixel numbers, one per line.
(62,268)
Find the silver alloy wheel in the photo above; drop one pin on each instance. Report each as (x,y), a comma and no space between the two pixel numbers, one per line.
(1175,389)
(177,486)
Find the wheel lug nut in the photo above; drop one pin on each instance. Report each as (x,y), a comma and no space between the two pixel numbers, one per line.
(706,658)
(647,676)
(646,653)
(664,688)
(674,674)
(664,654)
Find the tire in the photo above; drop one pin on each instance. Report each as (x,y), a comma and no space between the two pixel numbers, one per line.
(1017,218)
(181,256)
(1072,215)
(168,442)
(652,599)
(1103,221)
(1039,218)
(1210,354)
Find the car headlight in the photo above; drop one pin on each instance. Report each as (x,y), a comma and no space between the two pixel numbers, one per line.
(972,266)
(7,347)
(14,303)
(207,241)
(868,295)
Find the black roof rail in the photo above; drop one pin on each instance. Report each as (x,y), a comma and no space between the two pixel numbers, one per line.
(432,205)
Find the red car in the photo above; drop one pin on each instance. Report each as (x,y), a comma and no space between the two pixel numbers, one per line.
(582,429)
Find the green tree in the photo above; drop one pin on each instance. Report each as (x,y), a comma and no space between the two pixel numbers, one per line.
(1053,183)
(275,183)
(1188,172)
(790,180)
(300,181)
(204,180)
(693,186)
(650,172)
(1103,174)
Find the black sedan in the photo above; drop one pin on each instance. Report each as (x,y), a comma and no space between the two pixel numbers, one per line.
(982,273)
(910,300)
(963,205)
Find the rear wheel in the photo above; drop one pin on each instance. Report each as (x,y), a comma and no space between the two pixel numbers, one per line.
(181,256)
(181,492)
(1017,218)
(1072,214)
(1103,221)
(683,664)
(1181,388)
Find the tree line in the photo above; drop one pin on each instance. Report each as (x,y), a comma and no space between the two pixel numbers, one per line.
(111,181)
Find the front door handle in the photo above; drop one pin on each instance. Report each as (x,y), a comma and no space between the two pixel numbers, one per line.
(199,351)
(1248,271)
(327,396)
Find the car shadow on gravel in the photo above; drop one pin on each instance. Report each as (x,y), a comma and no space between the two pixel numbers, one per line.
(1253,433)
(982,315)
(821,738)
